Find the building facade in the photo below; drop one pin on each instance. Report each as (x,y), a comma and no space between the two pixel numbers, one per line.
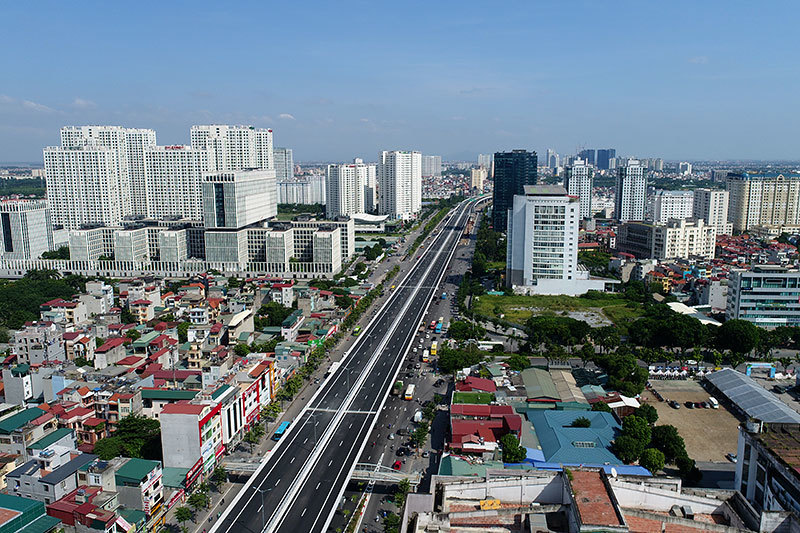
(671,204)
(346,188)
(711,205)
(235,199)
(676,239)
(604,157)
(629,202)
(284,163)
(27,229)
(400,184)
(173,181)
(578,180)
(431,166)
(234,147)
(768,296)
(512,172)
(764,199)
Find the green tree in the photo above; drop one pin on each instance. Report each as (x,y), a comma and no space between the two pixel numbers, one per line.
(241,349)
(601,406)
(183,332)
(462,331)
(420,434)
(135,436)
(667,439)
(513,452)
(581,422)
(219,475)
(451,360)
(518,362)
(648,412)
(61,253)
(126,317)
(133,334)
(628,448)
(403,488)
(198,500)
(652,459)
(637,428)
(251,438)
(738,336)
(391,523)
(183,515)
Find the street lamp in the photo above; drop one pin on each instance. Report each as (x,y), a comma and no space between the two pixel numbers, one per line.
(262,491)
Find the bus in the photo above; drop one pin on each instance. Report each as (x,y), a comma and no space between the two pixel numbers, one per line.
(434,345)
(356,331)
(433,324)
(281,430)
(426,356)
(410,392)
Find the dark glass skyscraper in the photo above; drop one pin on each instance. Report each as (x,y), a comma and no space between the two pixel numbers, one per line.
(512,171)
(604,156)
(587,155)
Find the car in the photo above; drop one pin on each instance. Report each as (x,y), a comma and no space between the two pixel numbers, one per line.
(690,405)
(401,451)
(438,383)
(705,405)
(391,436)
(415,349)
(732,457)
(675,405)
(698,405)
(409,375)
(397,465)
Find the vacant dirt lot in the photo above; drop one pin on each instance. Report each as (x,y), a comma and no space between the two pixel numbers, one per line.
(709,433)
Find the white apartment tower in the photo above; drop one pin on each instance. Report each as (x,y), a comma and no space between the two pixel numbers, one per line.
(578,181)
(400,184)
(431,166)
(174,181)
(370,186)
(711,205)
(766,199)
(629,203)
(345,188)
(234,147)
(671,204)
(284,163)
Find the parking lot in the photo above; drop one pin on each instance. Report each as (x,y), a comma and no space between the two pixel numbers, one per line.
(709,433)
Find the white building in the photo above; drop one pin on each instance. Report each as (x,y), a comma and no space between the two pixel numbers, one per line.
(486,161)
(234,147)
(370,187)
(578,180)
(675,239)
(477,178)
(309,190)
(26,228)
(400,184)
(768,296)
(173,180)
(346,188)
(711,205)
(551,159)
(685,168)
(766,199)
(629,202)
(235,199)
(284,163)
(671,204)
(431,165)
(543,244)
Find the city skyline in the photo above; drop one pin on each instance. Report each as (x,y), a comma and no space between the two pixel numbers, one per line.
(457,82)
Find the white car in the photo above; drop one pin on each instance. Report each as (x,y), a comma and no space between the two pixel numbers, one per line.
(415,349)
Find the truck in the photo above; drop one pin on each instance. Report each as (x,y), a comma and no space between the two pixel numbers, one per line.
(398,387)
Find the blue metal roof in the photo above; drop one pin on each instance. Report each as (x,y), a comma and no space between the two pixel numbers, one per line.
(564,444)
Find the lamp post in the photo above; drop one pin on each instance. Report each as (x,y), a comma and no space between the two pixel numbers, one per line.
(262,491)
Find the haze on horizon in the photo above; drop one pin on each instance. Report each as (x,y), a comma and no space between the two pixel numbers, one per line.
(684,80)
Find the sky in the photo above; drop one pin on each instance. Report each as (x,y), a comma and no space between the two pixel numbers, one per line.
(338,79)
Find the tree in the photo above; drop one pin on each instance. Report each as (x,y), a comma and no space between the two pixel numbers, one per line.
(451,360)
(512,451)
(628,448)
(667,439)
(420,434)
(403,488)
(198,500)
(251,438)
(391,523)
(518,362)
(638,428)
(343,302)
(652,459)
(135,436)
(685,465)
(133,334)
(648,412)
(601,406)
(126,317)
(738,336)
(183,514)
(607,337)
(61,253)
(581,422)
(219,475)
(272,314)
(462,331)
(241,349)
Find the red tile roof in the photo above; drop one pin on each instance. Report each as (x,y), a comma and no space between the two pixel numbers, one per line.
(593,500)
(183,407)
(476,384)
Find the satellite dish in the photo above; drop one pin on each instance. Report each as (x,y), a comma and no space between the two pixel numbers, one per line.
(613,472)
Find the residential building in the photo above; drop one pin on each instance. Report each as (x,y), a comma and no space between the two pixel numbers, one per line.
(38,343)
(486,161)
(667,205)
(720,176)
(370,186)
(23,515)
(629,202)
(684,168)
(191,436)
(139,485)
(131,245)
(431,166)
(400,184)
(543,243)
(512,172)
(578,180)
(768,296)
(45,480)
(678,238)
(309,190)
(284,163)
(763,199)
(346,188)
(26,227)
(711,205)
(551,159)
(173,181)
(604,157)
(234,147)
(477,178)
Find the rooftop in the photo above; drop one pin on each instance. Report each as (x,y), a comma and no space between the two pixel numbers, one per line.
(134,471)
(53,437)
(18,420)
(593,500)
(562,443)
(752,398)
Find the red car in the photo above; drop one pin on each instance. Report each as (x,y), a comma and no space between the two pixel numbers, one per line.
(397,465)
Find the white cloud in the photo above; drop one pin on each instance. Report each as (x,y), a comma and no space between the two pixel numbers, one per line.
(286,116)
(80,103)
(364,120)
(699,60)
(5,99)
(27,104)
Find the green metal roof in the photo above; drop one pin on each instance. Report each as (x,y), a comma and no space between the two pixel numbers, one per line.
(457,466)
(132,516)
(32,517)
(174,477)
(168,394)
(145,339)
(539,384)
(219,392)
(47,440)
(20,369)
(20,419)
(134,470)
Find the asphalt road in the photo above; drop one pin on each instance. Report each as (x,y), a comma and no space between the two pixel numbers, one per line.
(299,484)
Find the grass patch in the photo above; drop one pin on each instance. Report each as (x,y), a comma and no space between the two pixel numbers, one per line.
(518,308)
(484,398)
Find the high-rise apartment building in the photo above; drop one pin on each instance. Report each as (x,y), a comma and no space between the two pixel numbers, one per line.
(671,204)
(174,181)
(589,155)
(431,166)
(234,147)
(477,178)
(370,187)
(284,163)
(137,143)
(551,159)
(26,228)
(767,295)
(685,168)
(400,184)
(604,157)
(765,199)
(578,180)
(629,202)
(672,240)
(712,206)
(345,188)
(720,176)
(485,161)
(512,171)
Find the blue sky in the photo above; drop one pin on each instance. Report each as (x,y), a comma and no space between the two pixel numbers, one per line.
(336,80)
